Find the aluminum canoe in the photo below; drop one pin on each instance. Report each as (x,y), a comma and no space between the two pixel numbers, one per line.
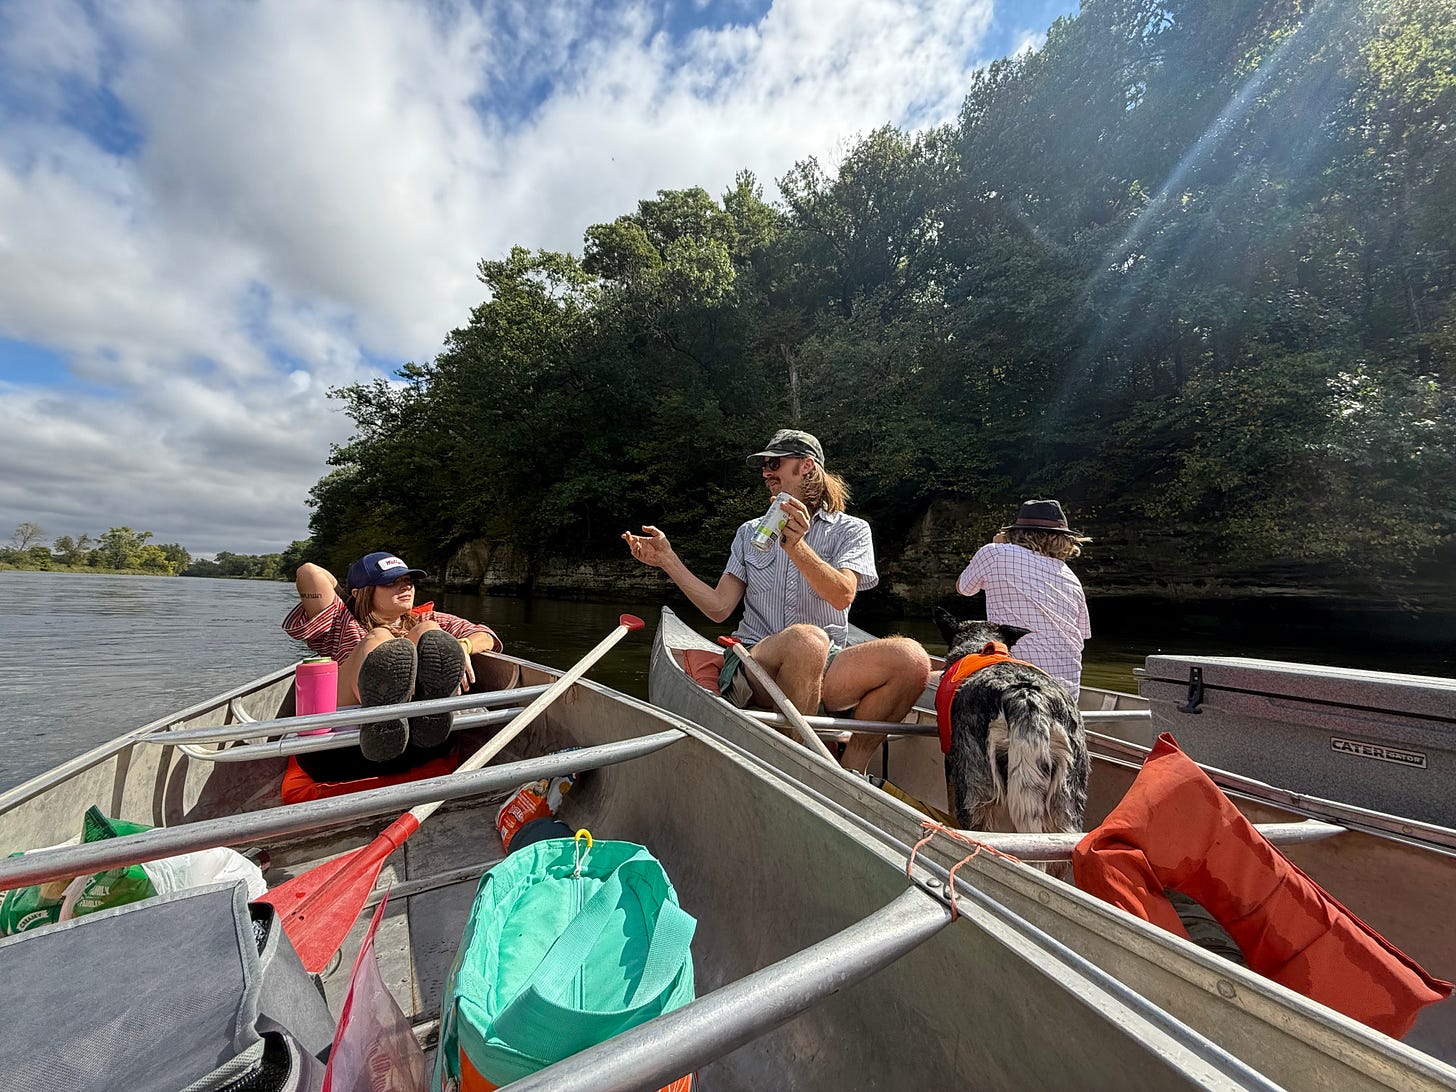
(1396,874)
(823,959)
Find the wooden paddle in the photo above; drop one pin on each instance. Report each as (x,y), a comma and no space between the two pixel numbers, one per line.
(319,907)
(761,676)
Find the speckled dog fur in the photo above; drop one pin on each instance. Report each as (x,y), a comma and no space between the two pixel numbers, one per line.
(1018,751)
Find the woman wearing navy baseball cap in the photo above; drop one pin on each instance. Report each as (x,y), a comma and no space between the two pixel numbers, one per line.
(388,651)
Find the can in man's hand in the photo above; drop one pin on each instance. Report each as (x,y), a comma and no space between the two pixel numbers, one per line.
(771,526)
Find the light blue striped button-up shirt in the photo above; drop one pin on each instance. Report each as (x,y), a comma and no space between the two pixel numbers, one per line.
(777,596)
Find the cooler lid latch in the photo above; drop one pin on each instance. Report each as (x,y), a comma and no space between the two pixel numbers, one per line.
(1195,691)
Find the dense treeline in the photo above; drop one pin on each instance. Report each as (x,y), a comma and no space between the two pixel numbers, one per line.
(1188,267)
(121,549)
(252,566)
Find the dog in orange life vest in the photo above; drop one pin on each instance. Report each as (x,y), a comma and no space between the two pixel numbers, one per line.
(1015,749)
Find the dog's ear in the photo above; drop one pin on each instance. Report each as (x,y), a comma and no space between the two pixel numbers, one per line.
(1011,634)
(947,623)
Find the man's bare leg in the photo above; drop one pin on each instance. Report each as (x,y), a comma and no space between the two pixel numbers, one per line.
(880,680)
(795,659)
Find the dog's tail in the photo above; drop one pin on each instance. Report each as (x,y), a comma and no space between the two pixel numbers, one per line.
(1038,760)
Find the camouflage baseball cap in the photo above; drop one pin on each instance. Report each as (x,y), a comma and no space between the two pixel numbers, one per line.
(793,442)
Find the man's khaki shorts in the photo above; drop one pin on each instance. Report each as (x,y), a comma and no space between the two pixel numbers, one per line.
(733,681)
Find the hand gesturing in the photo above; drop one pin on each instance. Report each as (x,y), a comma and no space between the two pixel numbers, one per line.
(651,548)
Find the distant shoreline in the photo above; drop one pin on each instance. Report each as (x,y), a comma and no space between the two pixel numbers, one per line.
(88,570)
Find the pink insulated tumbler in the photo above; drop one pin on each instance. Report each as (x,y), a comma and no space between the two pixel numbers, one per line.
(316,690)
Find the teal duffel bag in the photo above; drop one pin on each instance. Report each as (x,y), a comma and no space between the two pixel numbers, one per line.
(552,963)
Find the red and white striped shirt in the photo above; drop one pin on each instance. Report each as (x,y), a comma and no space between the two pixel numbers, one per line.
(334,631)
(1039,593)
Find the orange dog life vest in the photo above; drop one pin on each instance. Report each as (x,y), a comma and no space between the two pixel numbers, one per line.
(992,652)
(1175,829)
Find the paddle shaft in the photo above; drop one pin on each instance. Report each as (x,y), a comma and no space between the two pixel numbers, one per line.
(494,746)
(760,675)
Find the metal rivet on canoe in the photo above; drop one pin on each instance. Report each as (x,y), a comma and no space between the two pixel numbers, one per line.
(1226,989)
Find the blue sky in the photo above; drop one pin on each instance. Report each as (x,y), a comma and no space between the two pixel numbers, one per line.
(212,213)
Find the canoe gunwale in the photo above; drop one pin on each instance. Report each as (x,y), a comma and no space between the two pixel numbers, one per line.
(56,775)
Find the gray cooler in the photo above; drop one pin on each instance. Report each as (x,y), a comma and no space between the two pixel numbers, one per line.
(1376,740)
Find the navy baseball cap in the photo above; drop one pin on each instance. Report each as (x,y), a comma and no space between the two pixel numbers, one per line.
(380,567)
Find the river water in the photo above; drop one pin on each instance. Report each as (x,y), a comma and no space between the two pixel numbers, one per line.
(89,657)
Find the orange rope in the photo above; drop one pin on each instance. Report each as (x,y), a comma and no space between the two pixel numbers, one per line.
(933,828)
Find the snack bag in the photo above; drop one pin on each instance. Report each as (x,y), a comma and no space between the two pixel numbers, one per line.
(29,907)
(61,900)
(536,800)
(23,908)
(115,886)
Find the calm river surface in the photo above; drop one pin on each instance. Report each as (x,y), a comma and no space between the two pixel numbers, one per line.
(89,657)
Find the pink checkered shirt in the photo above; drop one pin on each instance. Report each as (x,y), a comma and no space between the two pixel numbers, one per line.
(333,631)
(1027,589)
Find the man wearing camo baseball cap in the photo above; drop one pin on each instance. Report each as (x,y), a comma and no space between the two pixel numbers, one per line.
(796,596)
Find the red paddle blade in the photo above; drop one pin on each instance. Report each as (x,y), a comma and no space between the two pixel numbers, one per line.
(318,908)
(631,621)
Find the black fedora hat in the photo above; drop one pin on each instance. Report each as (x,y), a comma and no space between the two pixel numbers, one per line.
(1041,515)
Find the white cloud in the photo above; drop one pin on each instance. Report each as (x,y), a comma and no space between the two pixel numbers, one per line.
(309,186)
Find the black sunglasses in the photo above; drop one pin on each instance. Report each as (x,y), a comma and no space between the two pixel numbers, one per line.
(772,462)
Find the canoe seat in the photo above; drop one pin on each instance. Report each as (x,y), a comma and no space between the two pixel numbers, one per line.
(702,666)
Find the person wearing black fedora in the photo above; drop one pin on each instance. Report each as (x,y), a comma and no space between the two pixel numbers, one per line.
(1023,571)
(796,597)
(388,651)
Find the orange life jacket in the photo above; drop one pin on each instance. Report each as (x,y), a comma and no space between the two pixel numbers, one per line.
(992,652)
(1175,829)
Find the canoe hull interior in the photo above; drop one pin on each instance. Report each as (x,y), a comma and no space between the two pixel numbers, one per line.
(753,834)
(1402,889)
(765,872)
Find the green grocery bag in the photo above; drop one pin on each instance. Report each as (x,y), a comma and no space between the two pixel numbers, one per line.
(567,944)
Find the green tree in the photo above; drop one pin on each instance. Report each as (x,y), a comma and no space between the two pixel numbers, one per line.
(177,557)
(73,551)
(119,548)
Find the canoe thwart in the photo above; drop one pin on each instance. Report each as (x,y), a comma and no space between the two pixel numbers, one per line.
(1058,847)
(343,718)
(44,865)
(686,1039)
(333,741)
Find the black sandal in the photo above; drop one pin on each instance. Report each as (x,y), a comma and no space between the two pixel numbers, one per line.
(386,677)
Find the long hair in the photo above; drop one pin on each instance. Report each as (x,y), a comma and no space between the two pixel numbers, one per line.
(1054,544)
(360,603)
(824,490)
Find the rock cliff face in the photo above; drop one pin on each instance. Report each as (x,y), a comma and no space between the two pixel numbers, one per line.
(920,567)
(494,569)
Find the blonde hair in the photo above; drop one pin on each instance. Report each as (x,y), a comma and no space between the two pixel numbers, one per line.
(1054,544)
(824,490)
(361,606)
